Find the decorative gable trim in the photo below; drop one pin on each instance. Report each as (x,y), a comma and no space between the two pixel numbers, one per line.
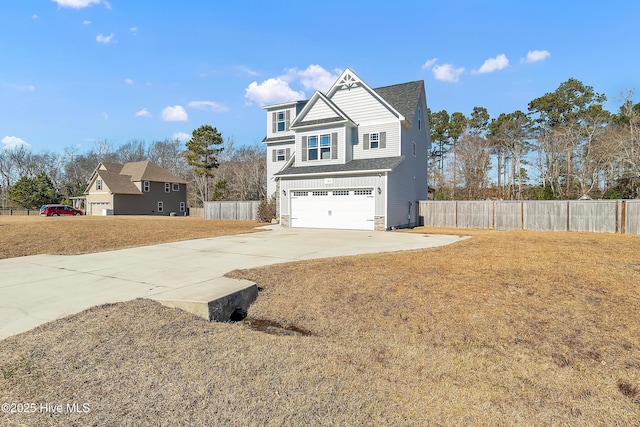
(349,79)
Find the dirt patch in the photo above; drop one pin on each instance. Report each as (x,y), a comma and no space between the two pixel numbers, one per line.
(275,328)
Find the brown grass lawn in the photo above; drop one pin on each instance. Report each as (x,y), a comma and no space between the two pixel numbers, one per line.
(32,235)
(504,329)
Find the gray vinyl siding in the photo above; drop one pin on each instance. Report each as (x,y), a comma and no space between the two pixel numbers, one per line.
(319,110)
(339,183)
(402,190)
(392,148)
(275,167)
(361,106)
(290,113)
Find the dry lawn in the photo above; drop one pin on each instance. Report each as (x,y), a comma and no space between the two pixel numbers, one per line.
(32,235)
(505,329)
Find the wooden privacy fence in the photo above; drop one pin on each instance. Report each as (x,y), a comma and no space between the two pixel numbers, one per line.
(11,211)
(604,216)
(246,210)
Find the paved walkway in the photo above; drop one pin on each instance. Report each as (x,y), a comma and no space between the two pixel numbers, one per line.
(41,288)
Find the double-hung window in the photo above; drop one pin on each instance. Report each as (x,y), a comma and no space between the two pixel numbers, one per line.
(176,186)
(98,184)
(374,140)
(281,155)
(325,147)
(146,186)
(280,121)
(160,207)
(167,187)
(312,144)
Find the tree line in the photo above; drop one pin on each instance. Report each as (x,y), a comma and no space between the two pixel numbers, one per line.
(235,172)
(566,146)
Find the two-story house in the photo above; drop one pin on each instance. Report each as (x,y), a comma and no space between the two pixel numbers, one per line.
(136,188)
(353,158)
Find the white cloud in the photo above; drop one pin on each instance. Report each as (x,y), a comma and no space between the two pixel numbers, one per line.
(537,55)
(143,113)
(34,16)
(174,114)
(100,38)
(181,136)
(279,89)
(216,107)
(79,4)
(86,22)
(31,88)
(105,116)
(10,142)
(447,73)
(430,62)
(314,77)
(272,91)
(494,64)
(134,30)
(128,81)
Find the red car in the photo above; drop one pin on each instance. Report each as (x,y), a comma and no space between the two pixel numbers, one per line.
(57,210)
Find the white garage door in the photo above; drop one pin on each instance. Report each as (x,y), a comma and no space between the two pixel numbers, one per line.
(342,209)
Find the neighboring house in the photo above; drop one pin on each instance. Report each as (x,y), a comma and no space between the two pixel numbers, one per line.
(353,158)
(137,188)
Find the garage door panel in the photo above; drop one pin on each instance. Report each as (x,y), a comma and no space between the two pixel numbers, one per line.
(340,209)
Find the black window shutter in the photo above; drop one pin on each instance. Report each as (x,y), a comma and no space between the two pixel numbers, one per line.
(334,145)
(365,141)
(304,148)
(383,140)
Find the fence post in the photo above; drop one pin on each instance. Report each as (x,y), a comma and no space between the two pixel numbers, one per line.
(623,218)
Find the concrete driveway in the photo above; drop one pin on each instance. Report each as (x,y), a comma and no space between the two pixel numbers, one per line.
(41,288)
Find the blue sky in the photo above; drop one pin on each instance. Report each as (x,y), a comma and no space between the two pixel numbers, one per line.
(75,71)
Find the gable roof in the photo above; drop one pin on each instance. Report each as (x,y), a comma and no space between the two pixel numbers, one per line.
(120,178)
(147,171)
(117,183)
(403,97)
(340,116)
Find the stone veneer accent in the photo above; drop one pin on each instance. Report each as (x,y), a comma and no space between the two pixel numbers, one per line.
(284,220)
(378,223)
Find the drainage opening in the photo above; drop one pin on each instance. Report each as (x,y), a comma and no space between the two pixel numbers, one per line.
(238,315)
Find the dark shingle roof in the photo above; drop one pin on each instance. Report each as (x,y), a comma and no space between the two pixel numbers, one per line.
(403,97)
(280,138)
(356,166)
(319,121)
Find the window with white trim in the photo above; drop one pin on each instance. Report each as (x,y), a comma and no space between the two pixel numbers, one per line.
(98,184)
(176,186)
(281,121)
(320,193)
(281,155)
(146,186)
(363,192)
(340,192)
(167,187)
(374,140)
(160,207)
(182,206)
(300,193)
(319,147)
